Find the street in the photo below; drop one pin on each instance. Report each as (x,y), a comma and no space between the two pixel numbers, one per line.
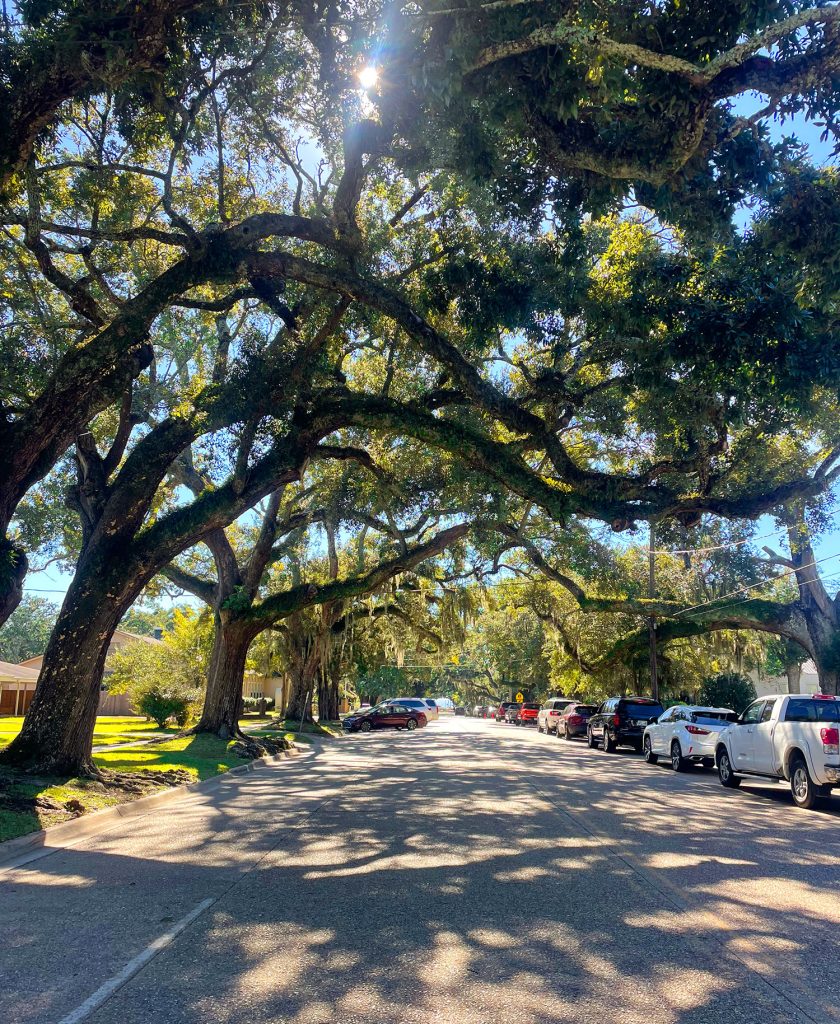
(469,873)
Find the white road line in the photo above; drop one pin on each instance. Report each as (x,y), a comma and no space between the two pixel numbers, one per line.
(104,992)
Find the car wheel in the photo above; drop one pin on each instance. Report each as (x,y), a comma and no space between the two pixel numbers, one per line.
(411,724)
(726,775)
(650,757)
(590,740)
(609,743)
(364,727)
(678,762)
(539,727)
(806,793)
(566,734)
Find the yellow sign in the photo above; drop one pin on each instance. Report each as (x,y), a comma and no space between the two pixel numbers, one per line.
(519,698)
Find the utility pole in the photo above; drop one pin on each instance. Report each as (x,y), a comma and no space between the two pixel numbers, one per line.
(654,673)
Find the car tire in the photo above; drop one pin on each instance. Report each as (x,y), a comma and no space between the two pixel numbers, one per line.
(727,776)
(566,734)
(609,744)
(539,727)
(650,757)
(805,792)
(365,727)
(678,762)
(590,740)
(411,724)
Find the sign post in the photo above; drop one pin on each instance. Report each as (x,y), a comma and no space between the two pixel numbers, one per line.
(519,698)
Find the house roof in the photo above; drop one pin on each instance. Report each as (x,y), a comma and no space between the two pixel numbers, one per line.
(124,635)
(10,673)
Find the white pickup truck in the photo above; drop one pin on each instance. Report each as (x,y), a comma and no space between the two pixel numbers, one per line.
(795,737)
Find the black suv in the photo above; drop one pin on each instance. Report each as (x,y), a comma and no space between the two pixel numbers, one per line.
(621,721)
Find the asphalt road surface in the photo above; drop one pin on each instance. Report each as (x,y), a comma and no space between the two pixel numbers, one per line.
(469,873)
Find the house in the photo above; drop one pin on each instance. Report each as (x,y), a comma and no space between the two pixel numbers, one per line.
(809,682)
(17,688)
(257,686)
(109,703)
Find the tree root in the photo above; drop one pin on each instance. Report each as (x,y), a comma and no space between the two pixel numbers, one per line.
(249,748)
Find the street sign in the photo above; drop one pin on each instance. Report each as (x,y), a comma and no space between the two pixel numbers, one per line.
(519,698)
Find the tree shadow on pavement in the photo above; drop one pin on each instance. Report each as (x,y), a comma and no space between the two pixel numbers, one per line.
(449,878)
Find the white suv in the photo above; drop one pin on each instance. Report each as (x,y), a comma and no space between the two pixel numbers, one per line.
(427,706)
(792,737)
(550,713)
(686,734)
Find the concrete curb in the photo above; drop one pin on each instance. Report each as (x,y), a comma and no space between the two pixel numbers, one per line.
(15,853)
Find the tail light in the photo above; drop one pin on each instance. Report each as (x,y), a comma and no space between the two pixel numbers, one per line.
(575,719)
(695,730)
(831,740)
(616,720)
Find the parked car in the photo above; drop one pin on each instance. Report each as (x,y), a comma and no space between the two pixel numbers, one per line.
(527,714)
(574,720)
(686,734)
(417,704)
(491,711)
(461,712)
(480,711)
(385,716)
(550,712)
(501,710)
(433,713)
(621,722)
(511,712)
(791,737)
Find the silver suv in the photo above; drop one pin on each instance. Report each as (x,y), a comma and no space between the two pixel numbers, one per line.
(550,713)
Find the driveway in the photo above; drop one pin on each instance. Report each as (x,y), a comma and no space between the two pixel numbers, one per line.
(470,873)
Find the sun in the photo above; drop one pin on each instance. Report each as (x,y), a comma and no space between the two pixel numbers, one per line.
(368,76)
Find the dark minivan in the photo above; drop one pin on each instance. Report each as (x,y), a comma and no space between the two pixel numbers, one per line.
(621,722)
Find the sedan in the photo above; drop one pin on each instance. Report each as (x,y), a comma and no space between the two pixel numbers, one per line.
(386,716)
(574,720)
(686,734)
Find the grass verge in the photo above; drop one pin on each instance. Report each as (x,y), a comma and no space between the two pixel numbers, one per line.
(28,804)
(110,729)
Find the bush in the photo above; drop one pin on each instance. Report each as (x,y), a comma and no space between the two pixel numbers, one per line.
(162,706)
(727,690)
(256,703)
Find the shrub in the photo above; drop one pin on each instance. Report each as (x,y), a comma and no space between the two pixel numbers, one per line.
(727,690)
(256,703)
(161,706)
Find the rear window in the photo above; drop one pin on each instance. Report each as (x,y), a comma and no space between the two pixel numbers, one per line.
(584,709)
(530,707)
(714,717)
(641,709)
(809,710)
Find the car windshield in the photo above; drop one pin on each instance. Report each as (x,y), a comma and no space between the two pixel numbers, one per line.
(637,709)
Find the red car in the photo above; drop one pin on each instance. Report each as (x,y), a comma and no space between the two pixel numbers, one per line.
(574,720)
(385,716)
(528,714)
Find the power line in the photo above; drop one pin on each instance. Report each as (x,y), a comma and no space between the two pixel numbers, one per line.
(756,586)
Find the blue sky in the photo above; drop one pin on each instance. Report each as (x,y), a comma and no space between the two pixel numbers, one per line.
(51,583)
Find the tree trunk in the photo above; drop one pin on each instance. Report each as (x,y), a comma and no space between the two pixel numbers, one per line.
(299,708)
(223,701)
(57,732)
(13,567)
(793,670)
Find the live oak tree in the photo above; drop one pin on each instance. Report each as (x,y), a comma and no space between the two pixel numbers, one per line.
(266,575)
(613,371)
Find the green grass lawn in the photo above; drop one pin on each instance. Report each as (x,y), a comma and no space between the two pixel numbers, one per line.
(109,729)
(201,756)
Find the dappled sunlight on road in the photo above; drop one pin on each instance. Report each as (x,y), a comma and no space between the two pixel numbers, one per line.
(470,874)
